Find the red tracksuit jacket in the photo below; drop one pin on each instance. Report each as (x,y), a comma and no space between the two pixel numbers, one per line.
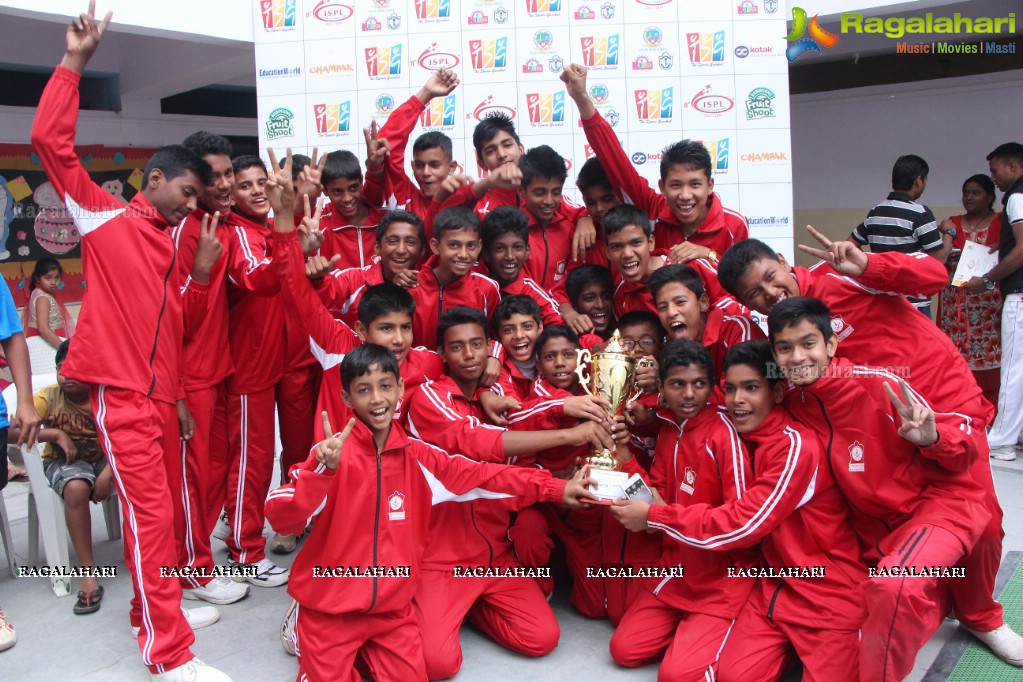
(341,290)
(330,340)
(872,320)
(471,534)
(354,243)
(720,229)
(473,290)
(792,507)
(201,367)
(376,508)
(700,461)
(629,296)
(130,330)
(887,480)
(544,410)
(722,331)
(256,313)
(527,286)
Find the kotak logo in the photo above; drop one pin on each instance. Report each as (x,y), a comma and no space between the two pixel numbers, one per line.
(332,118)
(600,51)
(433,9)
(278,13)
(489,54)
(440,112)
(654,105)
(546,107)
(433,59)
(383,61)
(331,12)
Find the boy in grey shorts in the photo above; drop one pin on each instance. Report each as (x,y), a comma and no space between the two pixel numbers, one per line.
(76,468)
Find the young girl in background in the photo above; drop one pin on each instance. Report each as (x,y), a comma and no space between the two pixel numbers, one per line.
(44,315)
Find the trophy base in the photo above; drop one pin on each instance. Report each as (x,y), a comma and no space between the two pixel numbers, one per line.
(609,485)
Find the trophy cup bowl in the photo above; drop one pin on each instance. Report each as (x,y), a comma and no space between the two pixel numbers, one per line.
(610,374)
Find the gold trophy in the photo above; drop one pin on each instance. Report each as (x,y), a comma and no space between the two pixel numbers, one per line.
(610,374)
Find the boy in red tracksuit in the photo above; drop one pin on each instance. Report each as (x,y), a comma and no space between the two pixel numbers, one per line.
(372,489)
(256,335)
(685,313)
(432,158)
(590,295)
(400,240)
(700,460)
(447,279)
(207,364)
(128,342)
(505,233)
(446,413)
(790,506)
(691,221)
(349,222)
(877,326)
(904,471)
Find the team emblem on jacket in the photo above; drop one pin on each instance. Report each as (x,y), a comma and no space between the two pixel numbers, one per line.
(841,329)
(560,270)
(689,481)
(855,454)
(396,504)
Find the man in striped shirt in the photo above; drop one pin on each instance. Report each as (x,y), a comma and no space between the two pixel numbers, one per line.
(901,224)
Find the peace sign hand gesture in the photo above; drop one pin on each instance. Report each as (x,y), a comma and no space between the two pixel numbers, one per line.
(280,190)
(377,149)
(83,35)
(843,256)
(328,451)
(918,426)
(207,249)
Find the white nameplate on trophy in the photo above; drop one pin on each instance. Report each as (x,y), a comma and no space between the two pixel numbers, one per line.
(610,485)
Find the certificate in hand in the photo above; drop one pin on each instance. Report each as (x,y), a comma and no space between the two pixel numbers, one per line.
(975,261)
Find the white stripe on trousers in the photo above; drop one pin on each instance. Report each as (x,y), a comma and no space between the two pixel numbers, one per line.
(1008,424)
(186,505)
(239,498)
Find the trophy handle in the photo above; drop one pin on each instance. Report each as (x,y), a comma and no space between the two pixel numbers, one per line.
(642,362)
(582,362)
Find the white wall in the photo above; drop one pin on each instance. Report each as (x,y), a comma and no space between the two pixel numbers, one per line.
(844,143)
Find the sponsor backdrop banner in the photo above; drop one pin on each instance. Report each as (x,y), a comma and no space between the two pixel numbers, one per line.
(659,71)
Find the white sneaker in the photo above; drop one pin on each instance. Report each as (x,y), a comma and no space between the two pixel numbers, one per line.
(193,671)
(200,617)
(283,544)
(1006,453)
(288,628)
(222,531)
(1004,643)
(220,590)
(8,637)
(268,574)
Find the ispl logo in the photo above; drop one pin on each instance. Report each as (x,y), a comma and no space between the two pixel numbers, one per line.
(546,107)
(278,13)
(433,9)
(489,54)
(331,12)
(718,150)
(383,61)
(706,48)
(433,59)
(707,102)
(487,107)
(600,51)
(543,6)
(654,105)
(798,45)
(440,112)
(333,118)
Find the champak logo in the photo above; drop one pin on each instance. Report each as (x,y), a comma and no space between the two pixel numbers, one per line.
(383,61)
(278,123)
(706,48)
(439,113)
(489,54)
(333,119)
(278,15)
(798,45)
(601,51)
(759,104)
(546,108)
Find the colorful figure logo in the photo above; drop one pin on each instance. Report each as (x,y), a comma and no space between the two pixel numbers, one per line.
(383,61)
(818,36)
(654,105)
(333,118)
(440,112)
(489,54)
(543,6)
(433,9)
(546,107)
(600,51)
(718,150)
(278,13)
(706,48)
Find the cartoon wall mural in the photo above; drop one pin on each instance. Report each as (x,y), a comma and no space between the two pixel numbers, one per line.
(37,225)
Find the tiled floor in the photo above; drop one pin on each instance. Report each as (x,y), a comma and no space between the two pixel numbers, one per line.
(53,644)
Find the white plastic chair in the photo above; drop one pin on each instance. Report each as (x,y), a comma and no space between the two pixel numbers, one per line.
(42,356)
(46,507)
(5,535)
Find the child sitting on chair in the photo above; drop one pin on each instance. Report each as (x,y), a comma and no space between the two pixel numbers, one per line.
(75,467)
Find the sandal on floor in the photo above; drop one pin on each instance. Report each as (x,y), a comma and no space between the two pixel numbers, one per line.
(88,602)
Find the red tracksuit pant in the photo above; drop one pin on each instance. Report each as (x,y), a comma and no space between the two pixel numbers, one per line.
(205,472)
(763,649)
(579,532)
(903,613)
(689,642)
(250,423)
(511,611)
(389,643)
(296,414)
(130,427)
